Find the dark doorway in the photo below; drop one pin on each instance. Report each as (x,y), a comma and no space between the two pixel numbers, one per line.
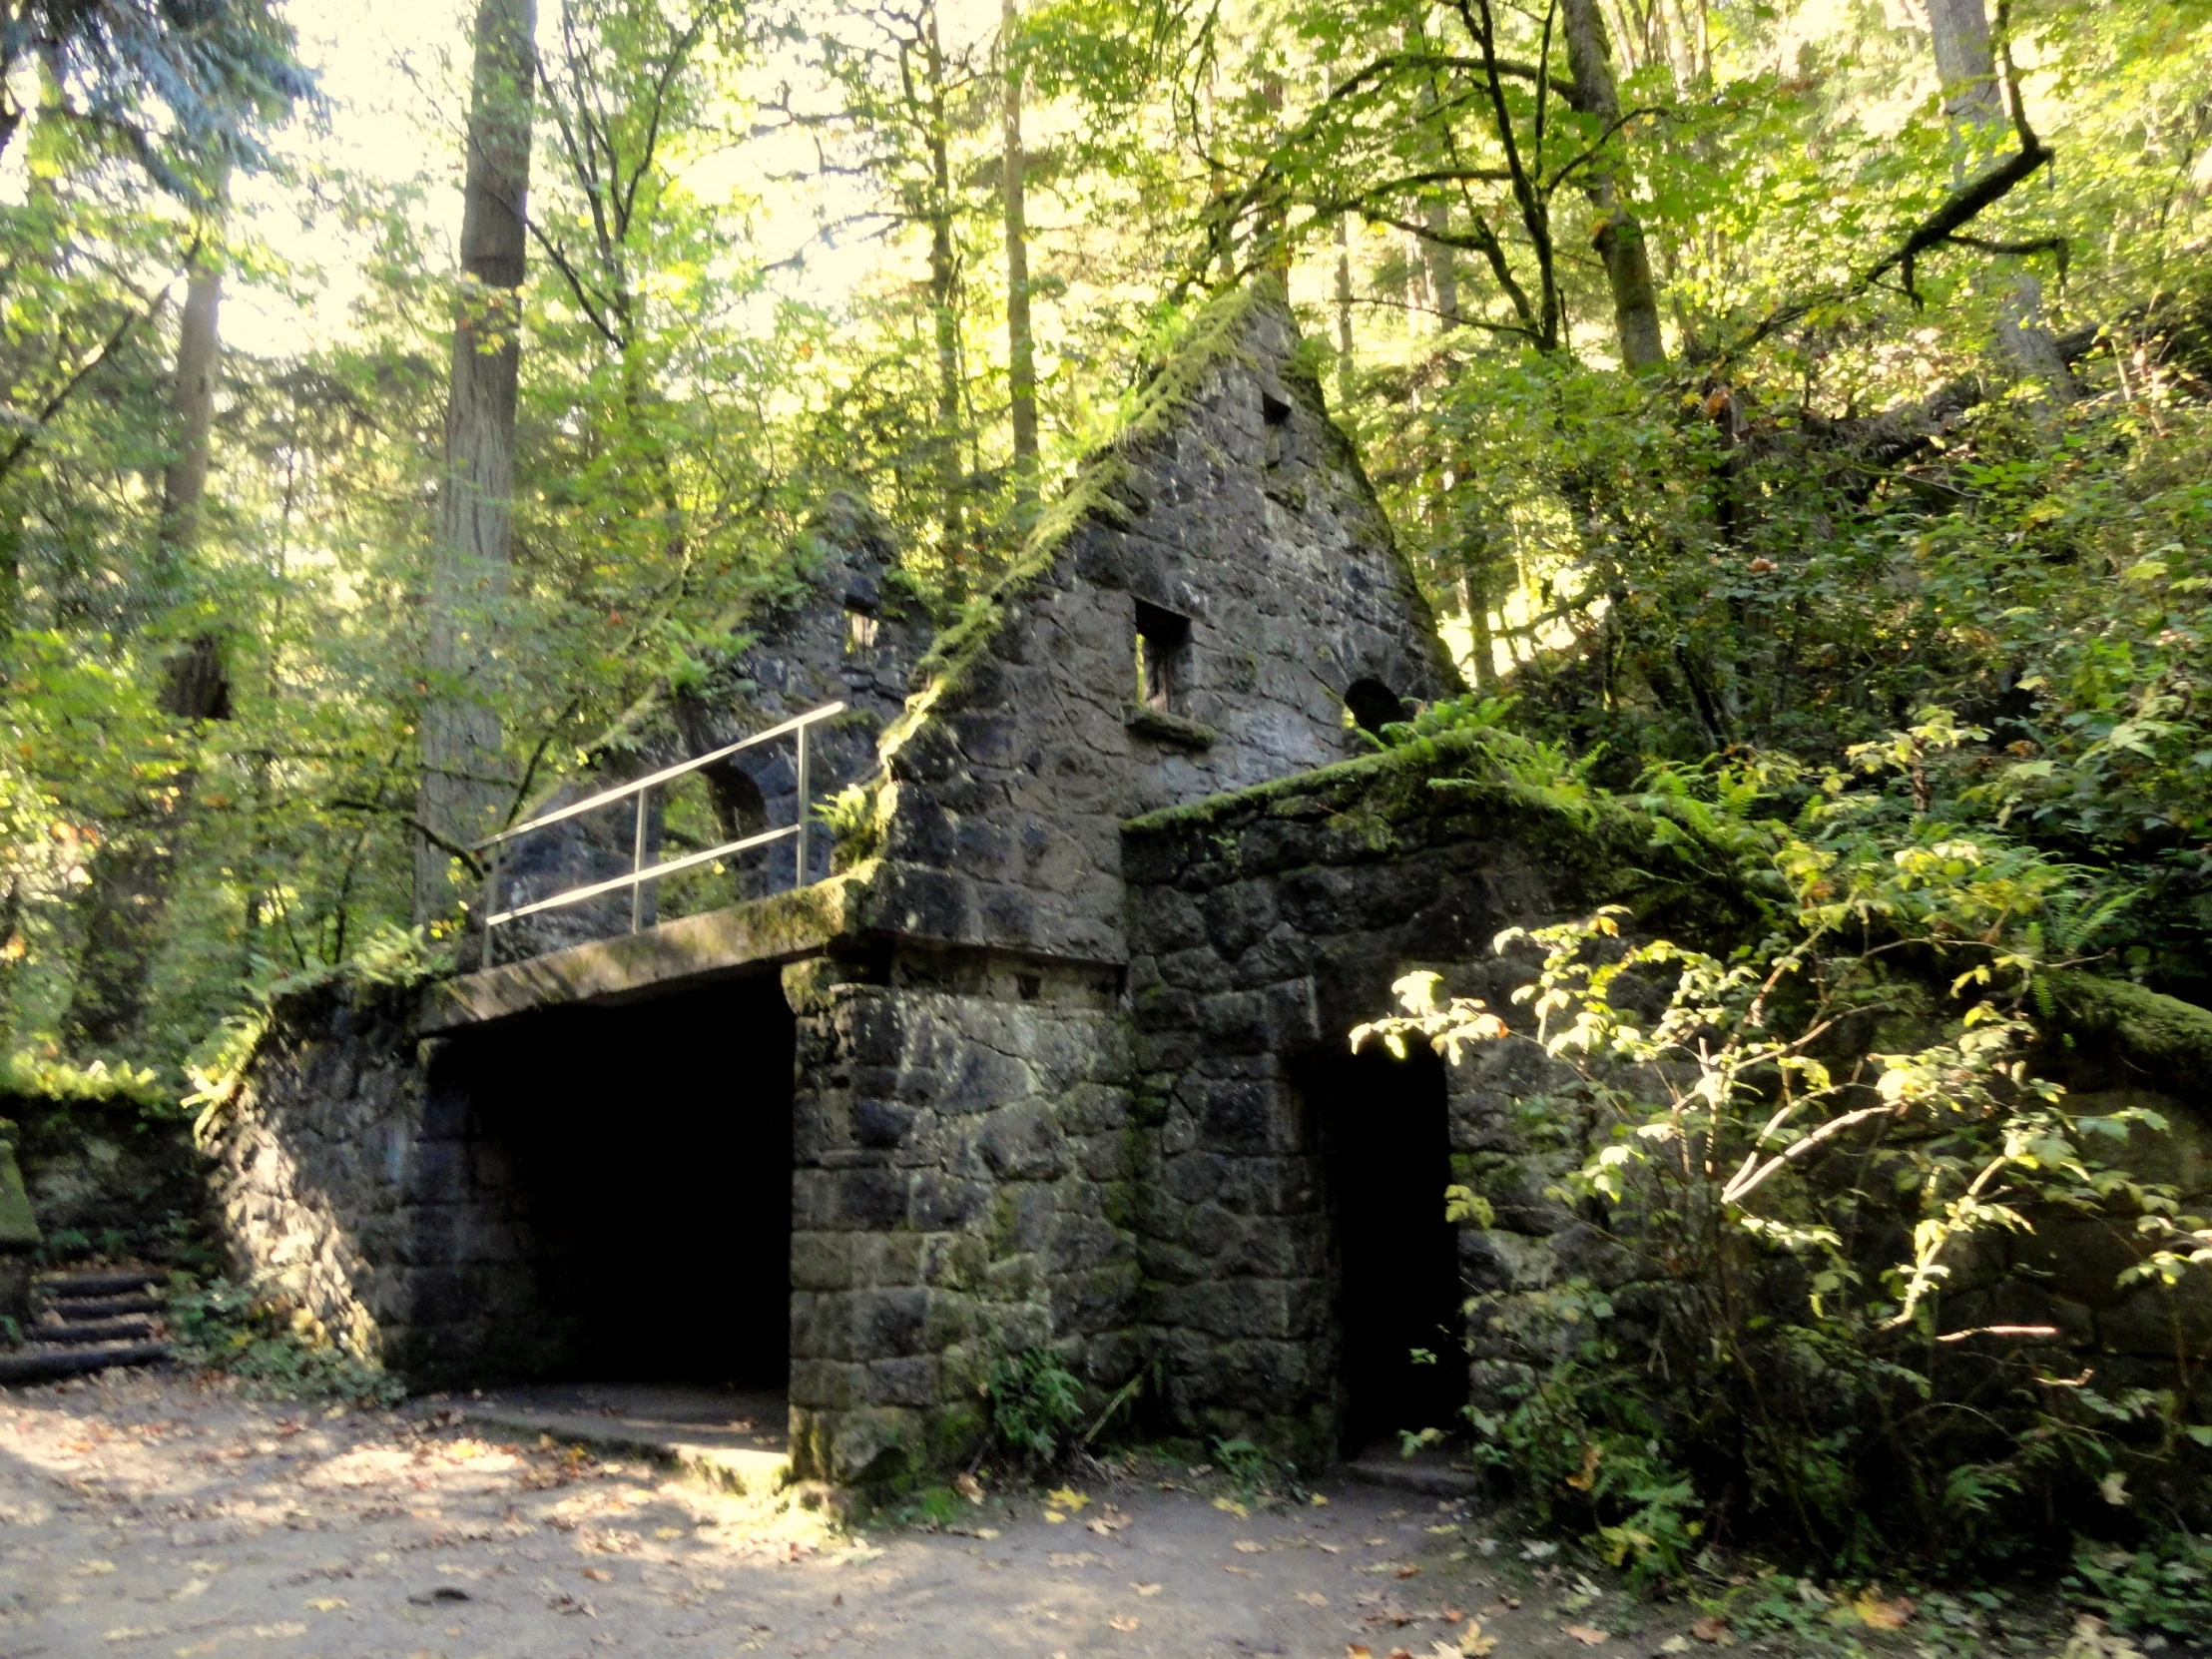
(1386,1142)
(646,1152)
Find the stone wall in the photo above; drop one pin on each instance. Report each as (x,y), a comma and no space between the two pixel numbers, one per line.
(964,1187)
(350,1185)
(108,1171)
(1264,925)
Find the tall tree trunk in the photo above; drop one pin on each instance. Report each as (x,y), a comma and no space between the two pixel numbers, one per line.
(460,734)
(1965,62)
(1343,314)
(128,898)
(1021,357)
(1620,238)
(943,295)
(1443,272)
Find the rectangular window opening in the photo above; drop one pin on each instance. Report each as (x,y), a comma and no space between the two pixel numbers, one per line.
(1163,657)
(859,632)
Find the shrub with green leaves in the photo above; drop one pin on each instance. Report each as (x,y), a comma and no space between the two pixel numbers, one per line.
(1789,1152)
(1036,1403)
(242,1332)
(2166,1586)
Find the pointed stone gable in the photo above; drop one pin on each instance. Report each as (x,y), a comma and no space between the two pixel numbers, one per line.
(1216,590)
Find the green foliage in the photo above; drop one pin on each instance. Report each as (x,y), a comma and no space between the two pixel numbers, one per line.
(273,1353)
(1800,1202)
(1250,1470)
(46,1078)
(1035,1403)
(2166,1586)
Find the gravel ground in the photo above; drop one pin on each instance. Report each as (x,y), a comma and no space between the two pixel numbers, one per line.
(146,1514)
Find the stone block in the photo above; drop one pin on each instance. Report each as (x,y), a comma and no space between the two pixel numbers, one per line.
(822,1261)
(1233,1022)
(1022,1143)
(1163,921)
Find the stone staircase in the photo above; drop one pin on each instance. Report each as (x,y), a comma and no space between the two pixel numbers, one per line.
(87,1322)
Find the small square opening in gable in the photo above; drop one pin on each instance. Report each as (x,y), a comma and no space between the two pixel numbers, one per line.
(860,630)
(1163,657)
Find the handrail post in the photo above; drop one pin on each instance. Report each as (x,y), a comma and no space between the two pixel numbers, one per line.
(491,896)
(637,867)
(799,872)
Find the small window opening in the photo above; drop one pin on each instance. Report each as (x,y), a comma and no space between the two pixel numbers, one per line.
(1372,704)
(1277,414)
(1163,657)
(860,630)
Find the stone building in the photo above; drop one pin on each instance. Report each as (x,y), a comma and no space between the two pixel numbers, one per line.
(1056,1055)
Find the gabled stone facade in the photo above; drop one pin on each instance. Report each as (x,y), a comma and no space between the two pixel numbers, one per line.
(988,1151)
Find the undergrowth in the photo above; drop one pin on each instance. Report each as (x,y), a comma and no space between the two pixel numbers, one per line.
(274,1354)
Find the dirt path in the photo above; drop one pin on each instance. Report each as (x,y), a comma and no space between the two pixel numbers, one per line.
(142,1514)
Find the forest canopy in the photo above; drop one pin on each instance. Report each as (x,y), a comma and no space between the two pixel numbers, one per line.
(393,396)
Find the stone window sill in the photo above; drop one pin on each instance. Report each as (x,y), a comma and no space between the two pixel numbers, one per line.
(1167,728)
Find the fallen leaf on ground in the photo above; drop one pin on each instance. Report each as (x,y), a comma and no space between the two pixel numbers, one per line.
(565,1604)
(1401,1653)
(1474,1643)
(1313,1598)
(1066,1497)
(1884,1616)
(1143,1590)
(1675,1644)
(1232,1506)
(1074,1558)
(1331,1549)
(1358,1650)
(1316,1500)
(599,1574)
(1054,1516)
(664,1534)
(1106,1523)
(1124,1621)
(325,1604)
(1243,1572)
(1408,1573)
(968,1487)
(1713,1630)
(1587,1635)
(1450,1615)
(1245,1546)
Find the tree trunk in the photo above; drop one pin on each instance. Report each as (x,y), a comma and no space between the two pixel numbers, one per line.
(1620,238)
(943,294)
(1965,62)
(1443,272)
(460,732)
(128,898)
(1343,314)
(1021,359)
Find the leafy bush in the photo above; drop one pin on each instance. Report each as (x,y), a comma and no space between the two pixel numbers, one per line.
(1783,1156)
(276,1355)
(1035,1401)
(2166,1586)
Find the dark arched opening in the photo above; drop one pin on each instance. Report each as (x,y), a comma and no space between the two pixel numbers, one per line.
(1373,704)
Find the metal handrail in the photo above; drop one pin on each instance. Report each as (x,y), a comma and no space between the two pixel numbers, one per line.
(640,872)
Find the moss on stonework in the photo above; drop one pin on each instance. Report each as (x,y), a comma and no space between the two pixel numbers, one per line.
(1214,335)
(2160,1036)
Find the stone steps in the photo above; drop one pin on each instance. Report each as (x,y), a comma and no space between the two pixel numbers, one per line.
(87,1322)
